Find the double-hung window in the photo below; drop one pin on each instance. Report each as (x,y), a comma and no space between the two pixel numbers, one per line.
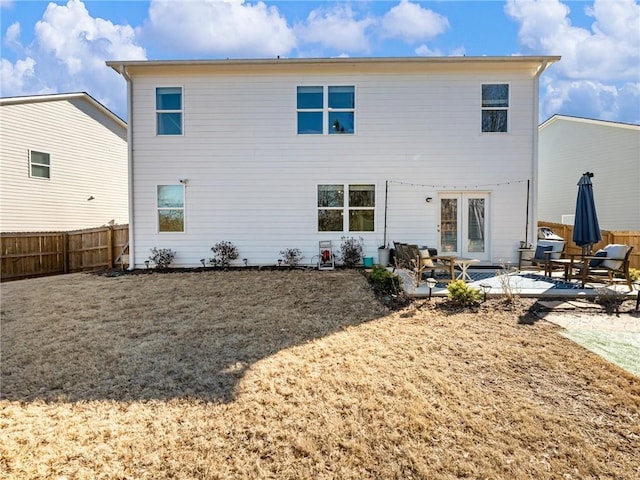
(170,200)
(39,164)
(346,208)
(326,110)
(169,110)
(495,107)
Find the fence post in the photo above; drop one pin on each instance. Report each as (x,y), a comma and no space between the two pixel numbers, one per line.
(110,245)
(65,252)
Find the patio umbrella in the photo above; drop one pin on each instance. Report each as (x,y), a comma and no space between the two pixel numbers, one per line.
(586,230)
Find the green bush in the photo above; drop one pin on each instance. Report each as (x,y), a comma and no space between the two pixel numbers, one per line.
(462,294)
(383,281)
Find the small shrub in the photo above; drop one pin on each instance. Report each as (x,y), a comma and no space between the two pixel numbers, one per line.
(610,298)
(291,256)
(634,274)
(351,250)
(510,292)
(223,253)
(462,294)
(162,257)
(383,281)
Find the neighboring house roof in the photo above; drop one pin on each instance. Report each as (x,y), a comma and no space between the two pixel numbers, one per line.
(538,63)
(604,123)
(63,96)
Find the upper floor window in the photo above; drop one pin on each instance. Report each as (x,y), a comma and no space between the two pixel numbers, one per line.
(326,110)
(39,164)
(169,110)
(495,107)
(353,212)
(170,208)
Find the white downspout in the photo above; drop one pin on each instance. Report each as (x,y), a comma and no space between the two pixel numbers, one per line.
(534,162)
(125,74)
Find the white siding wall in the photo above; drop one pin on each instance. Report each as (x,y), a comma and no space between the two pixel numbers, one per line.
(252,179)
(88,155)
(570,147)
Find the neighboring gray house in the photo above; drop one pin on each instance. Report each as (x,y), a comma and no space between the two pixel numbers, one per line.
(63,164)
(570,146)
(285,153)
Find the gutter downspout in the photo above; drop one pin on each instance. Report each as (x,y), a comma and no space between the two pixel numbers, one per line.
(534,152)
(123,71)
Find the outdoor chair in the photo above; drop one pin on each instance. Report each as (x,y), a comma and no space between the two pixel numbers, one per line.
(545,254)
(608,265)
(421,260)
(400,258)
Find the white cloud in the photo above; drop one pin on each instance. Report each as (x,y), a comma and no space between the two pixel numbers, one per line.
(599,74)
(412,23)
(217,27)
(336,28)
(14,76)
(68,54)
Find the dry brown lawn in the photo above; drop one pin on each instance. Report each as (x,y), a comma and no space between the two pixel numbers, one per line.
(296,375)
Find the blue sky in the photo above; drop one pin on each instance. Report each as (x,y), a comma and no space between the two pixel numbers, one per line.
(56,47)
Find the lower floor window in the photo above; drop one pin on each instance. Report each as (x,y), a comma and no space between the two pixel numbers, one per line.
(349,208)
(171,208)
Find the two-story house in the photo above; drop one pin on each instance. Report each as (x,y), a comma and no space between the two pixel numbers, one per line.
(285,153)
(63,162)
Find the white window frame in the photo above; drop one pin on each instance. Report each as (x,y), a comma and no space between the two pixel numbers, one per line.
(32,164)
(183,209)
(492,108)
(159,111)
(326,110)
(346,207)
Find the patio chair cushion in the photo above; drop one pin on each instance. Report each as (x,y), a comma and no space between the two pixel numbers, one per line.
(540,249)
(425,258)
(594,263)
(616,253)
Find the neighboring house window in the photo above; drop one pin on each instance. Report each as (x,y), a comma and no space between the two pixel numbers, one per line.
(495,107)
(169,110)
(39,164)
(353,212)
(171,208)
(335,116)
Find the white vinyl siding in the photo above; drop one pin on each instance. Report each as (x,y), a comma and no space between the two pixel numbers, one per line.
(88,156)
(253,180)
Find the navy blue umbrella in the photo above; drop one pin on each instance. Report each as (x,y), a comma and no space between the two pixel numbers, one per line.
(586,230)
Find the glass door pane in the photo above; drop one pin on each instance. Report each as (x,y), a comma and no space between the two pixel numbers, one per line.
(475,225)
(449,225)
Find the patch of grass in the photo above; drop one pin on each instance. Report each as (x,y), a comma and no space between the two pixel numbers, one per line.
(295,374)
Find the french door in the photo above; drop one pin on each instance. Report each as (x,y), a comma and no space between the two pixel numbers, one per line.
(464,223)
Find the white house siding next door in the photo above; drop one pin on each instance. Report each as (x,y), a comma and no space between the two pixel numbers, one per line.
(463,225)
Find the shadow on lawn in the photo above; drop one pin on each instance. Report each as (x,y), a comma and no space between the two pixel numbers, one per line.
(191,338)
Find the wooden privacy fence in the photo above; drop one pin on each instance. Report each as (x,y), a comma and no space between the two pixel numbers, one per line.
(25,255)
(626,238)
